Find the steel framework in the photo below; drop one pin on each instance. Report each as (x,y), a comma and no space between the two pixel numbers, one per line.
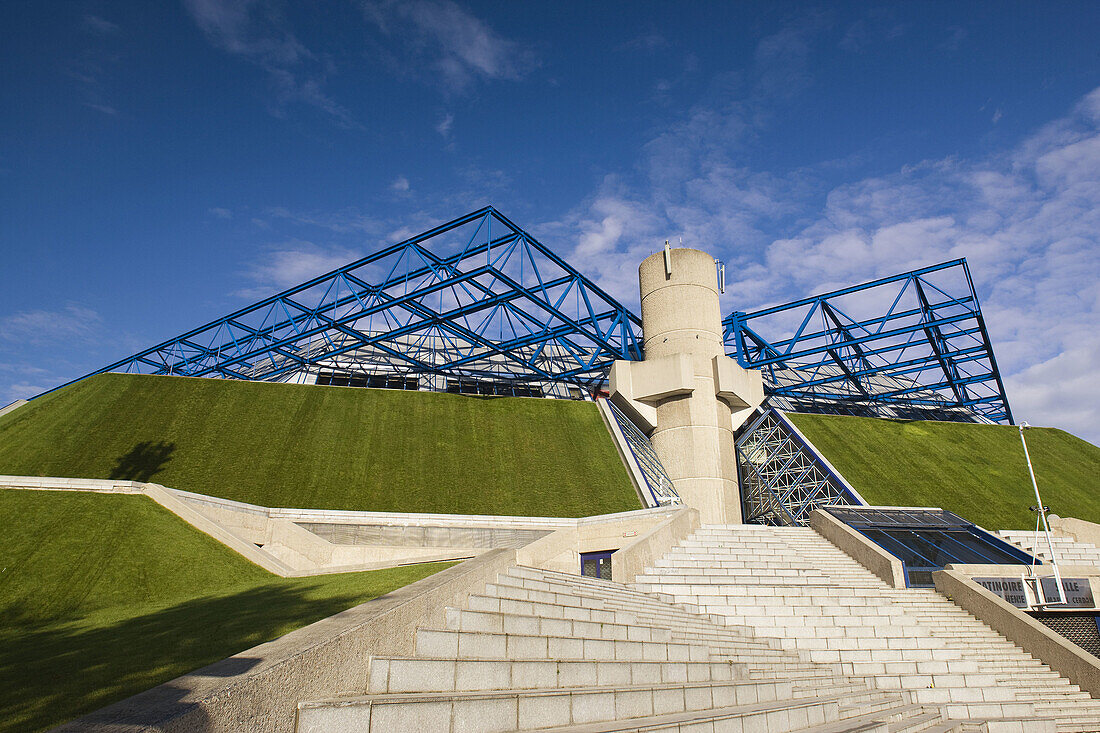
(912,345)
(474,298)
(783,478)
(479,305)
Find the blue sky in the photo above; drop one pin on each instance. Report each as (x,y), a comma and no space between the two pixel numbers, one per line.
(164,163)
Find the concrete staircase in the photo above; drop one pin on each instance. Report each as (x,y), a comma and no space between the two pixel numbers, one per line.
(1066,550)
(540,650)
(792,586)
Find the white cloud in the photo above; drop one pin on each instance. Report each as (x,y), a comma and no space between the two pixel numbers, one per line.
(72,323)
(21,391)
(219,213)
(100,26)
(1027,220)
(104,108)
(400,184)
(444,125)
(292,263)
(257,32)
(459,47)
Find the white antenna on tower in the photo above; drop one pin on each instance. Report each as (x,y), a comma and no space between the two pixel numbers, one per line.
(668,260)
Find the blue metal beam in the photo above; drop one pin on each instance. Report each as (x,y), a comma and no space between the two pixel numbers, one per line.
(477,296)
(929,349)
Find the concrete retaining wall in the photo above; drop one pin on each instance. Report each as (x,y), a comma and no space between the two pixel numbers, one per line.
(561,550)
(259,689)
(1076,529)
(632,560)
(887,567)
(344,541)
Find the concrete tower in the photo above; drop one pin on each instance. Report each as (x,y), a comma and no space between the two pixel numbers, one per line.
(687,394)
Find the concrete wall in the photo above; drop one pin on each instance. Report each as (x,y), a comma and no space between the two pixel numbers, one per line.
(52,483)
(1061,655)
(1076,529)
(259,689)
(632,560)
(887,567)
(289,550)
(561,550)
(12,407)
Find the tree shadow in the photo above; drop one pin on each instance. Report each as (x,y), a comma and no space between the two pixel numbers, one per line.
(55,671)
(145,460)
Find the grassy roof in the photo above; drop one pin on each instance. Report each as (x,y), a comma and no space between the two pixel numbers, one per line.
(325,447)
(976,471)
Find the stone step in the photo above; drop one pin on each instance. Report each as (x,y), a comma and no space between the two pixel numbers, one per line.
(459,620)
(423,674)
(478,645)
(767,706)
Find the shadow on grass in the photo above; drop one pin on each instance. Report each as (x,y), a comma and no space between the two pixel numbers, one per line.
(145,460)
(53,672)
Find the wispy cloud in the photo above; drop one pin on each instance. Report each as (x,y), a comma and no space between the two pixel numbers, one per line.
(400,184)
(1027,219)
(877,26)
(343,221)
(258,33)
(291,263)
(102,26)
(219,213)
(104,108)
(74,322)
(458,47)
(96,54)
(645,43)
(443,127)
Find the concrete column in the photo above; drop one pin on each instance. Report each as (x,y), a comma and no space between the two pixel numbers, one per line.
(694,431)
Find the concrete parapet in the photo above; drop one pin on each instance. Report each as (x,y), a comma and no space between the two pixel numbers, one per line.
(259,688)
(1035,638)
(633,559)
(11,407)
(167,499)
(333,541)
(52,483)
(1078,530)
(560,551)
(853,544)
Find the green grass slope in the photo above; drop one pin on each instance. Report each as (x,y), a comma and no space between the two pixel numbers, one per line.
(105,595)
(976,471)
(324,447)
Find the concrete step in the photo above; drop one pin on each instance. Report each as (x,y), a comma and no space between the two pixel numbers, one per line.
(797,587)
(766,705)
(478,645)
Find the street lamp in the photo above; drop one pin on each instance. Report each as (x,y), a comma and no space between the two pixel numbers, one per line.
(1041,521)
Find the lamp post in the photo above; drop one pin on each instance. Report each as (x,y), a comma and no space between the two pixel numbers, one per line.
(1041,521)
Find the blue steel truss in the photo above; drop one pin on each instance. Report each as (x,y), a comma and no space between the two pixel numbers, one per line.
(477,298)
(912,345)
